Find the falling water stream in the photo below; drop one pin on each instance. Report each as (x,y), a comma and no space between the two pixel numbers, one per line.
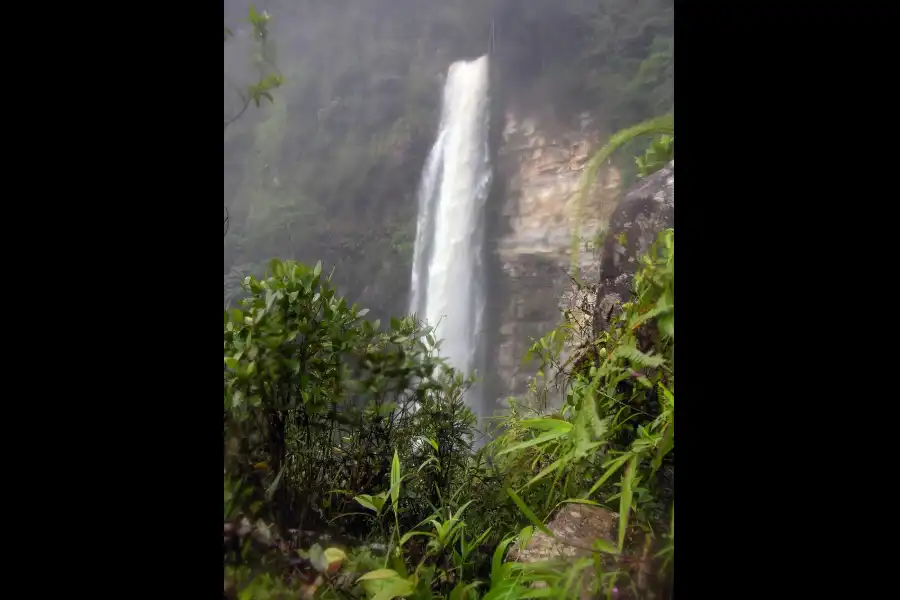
(448,273)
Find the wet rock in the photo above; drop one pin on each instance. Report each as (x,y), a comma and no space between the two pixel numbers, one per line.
(575,528)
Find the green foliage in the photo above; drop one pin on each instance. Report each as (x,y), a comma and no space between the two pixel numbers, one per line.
(613,442)
(658,155)
(335,425)
(316,402)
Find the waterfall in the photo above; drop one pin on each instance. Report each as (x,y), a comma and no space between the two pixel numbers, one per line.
(448,273)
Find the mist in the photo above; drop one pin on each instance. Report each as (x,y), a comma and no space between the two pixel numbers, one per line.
(329,169)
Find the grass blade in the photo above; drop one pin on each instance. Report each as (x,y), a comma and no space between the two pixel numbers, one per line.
(497,560)
(410,534)
(555,465)
(547,424)
(528,512)
(544,437)
(625,501)
(395,480)
(615,466)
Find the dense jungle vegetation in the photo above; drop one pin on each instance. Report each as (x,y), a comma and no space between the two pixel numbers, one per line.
(352,467)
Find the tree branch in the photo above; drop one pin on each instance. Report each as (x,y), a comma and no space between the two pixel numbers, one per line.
(246,100)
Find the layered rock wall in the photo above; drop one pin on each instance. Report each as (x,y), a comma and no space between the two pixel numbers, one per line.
(541,164)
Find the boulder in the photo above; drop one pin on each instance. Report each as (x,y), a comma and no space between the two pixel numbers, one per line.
(575,529)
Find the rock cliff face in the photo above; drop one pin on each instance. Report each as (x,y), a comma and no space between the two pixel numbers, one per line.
(541,165)
(636,221)
(644,212)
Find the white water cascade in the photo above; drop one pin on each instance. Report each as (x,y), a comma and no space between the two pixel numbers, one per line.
(447,276)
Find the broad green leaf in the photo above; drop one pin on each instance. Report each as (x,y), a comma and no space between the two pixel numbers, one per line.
(441,528)
(462,592)
(528,512)
(409,534)
(667,324)
(366,500)
(395,589)
(378,574)
(318,270)
(605,546)
(397,564)
(497,560)
(457,592)
(508,590)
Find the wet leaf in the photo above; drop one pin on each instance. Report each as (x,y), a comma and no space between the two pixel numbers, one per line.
(378,574)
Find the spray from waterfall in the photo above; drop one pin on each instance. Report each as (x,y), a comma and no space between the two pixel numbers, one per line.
(448,272)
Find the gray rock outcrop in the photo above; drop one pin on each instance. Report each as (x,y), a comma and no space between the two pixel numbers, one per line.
(645,211)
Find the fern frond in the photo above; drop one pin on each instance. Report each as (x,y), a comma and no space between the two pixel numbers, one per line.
(653,312)
(638,358)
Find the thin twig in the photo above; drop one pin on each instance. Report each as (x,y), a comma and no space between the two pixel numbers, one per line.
(241,112)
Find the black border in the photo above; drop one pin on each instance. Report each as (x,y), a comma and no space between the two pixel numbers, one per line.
(130,149)
(136,231)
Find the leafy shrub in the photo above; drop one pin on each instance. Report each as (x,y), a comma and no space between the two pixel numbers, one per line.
(317,398)
(656,156)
